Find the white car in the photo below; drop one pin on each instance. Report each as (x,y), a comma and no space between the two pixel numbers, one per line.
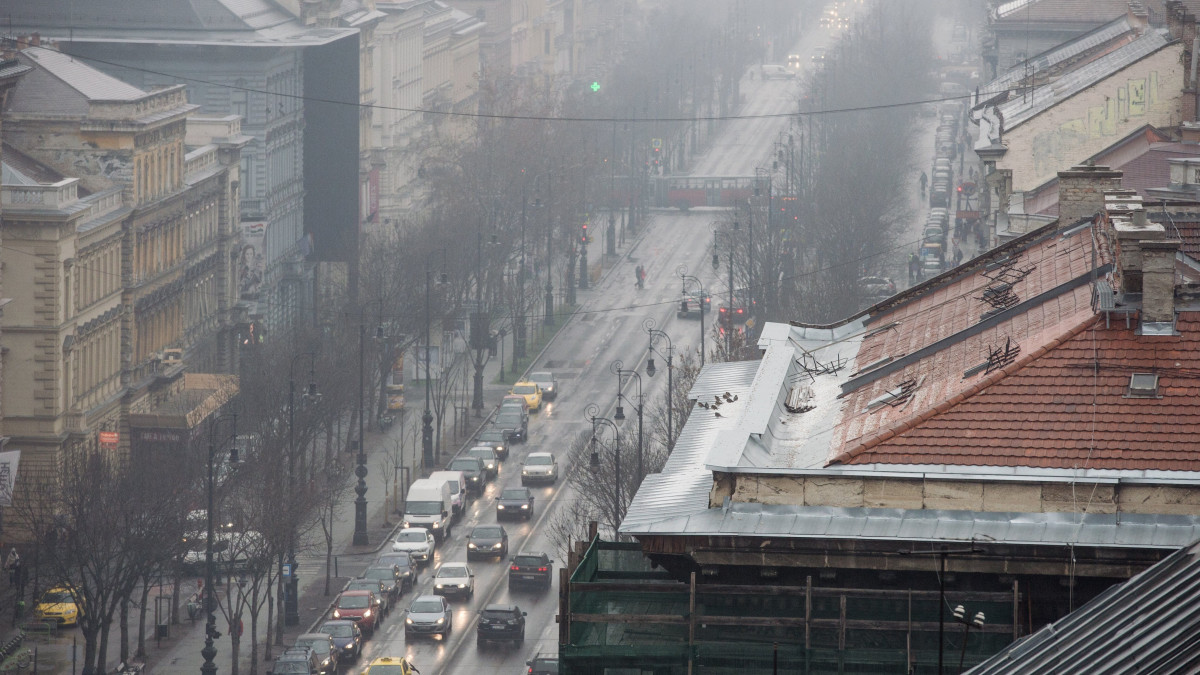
(417,542)
(540,467)
(454,579)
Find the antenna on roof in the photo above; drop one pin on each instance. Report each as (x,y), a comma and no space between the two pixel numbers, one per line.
(1005,271)
(810,365)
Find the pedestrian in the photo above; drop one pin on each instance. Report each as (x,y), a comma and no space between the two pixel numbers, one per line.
(914,265)
(637,277)
(958,255)
(13,565)
(641,277)
(924,182)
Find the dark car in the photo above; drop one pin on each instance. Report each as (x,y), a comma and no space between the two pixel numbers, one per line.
(692,305)
(547,382)
(326,651)
(497,439)
(402,564)
(501,622)
(393,583)
(347,637)
(486,541)
(515,503)
(543,665)
(429,615)
(379,587)
(491,463)
(473,472)
(513,424)
(531,569)
(295,661)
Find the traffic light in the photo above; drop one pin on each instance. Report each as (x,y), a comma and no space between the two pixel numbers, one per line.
(584,237)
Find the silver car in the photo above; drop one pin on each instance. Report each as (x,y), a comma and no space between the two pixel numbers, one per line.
(454,579)
(540,467)
(545,380)
(429,615)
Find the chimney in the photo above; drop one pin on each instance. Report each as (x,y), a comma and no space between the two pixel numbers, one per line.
(1132,231)
(1138,17)
(1081,191)
(35,40)
(1158,280)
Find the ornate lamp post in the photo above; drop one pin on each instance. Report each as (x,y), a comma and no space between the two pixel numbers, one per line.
(291,612)
(360,502)
(594,461)
(660,336)
(686,279)
(209,652)
(618,368)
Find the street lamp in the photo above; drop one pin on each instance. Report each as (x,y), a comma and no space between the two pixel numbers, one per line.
(291,611)
(360,502)
(594,460)
(655,336)
(479,333)
(960,615)
(618,368)
(209,652)
(685,278)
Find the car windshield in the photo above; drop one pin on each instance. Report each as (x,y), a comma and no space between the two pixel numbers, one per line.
(497,614)
(465,465)
(454,571)
(541,377)
(545,666)
(492,436)
(414,536)
(523,389)
(364,585)
(527,560)
(289,667)
(338,629)
(57,597)
(509,418)
(534,460)
(426,607)
(397,670)
(353,602)
(485,454)
(516,493)
(486,533)
(421,509)
(380,573)
(399,559)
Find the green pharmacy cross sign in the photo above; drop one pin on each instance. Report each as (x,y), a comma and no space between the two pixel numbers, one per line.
(595,86)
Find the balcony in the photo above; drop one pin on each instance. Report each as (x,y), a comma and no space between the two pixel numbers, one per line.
(55,196)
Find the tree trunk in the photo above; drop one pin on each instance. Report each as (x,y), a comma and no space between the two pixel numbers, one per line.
(141,639)
(124,628)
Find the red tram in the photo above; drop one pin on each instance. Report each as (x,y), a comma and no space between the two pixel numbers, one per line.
(685,192)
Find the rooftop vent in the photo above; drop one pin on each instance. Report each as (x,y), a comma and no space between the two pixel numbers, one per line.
(1143,385)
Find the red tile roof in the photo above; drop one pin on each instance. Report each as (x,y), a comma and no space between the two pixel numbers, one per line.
(1066,406)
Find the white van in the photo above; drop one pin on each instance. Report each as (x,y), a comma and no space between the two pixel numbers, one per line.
(458,488)
(428,505)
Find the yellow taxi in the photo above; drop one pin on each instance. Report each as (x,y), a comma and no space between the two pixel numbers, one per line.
(390,665)
(531,392)
(57,604)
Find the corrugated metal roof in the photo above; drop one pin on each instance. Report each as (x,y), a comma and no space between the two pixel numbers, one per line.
(667,496)
(1024,108)
(1149,624)
(1042,62)
(89,82)
(1056,529)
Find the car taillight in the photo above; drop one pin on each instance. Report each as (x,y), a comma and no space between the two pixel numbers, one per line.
(740,310)
(542,569)
(515,568)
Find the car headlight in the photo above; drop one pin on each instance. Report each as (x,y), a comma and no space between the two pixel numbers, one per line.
(406,524)
(408,620)
(499,507)
(438,586)
(496,545)
(337,614)
(366,613)
(474,479)
(525,506)
(462,585)
(441,620)
(436,525)
(472,546)
(524,472)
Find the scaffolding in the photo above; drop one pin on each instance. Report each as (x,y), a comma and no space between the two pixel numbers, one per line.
(620,616)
